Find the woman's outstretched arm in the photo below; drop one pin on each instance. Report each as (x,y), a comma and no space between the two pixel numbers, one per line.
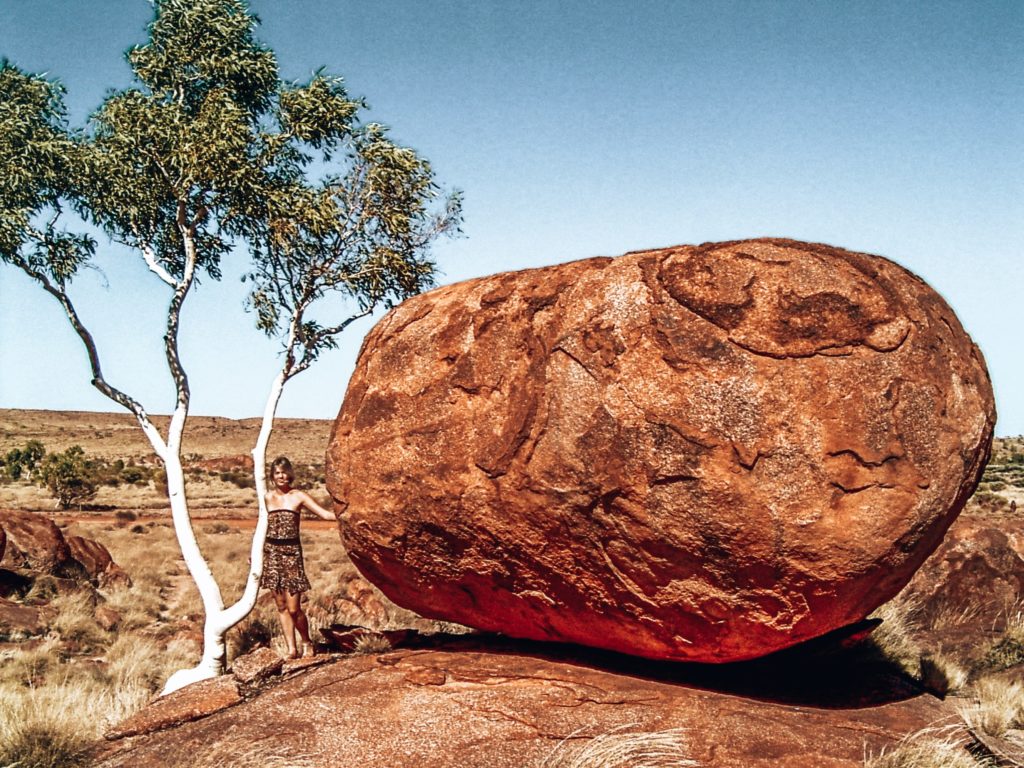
(316,509)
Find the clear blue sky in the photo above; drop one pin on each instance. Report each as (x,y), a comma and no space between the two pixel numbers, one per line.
(591,128)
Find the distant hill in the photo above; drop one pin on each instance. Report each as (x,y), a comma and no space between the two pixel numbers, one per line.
(117,435)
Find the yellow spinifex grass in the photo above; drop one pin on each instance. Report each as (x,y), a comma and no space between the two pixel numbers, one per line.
(53,725)
(938,747)
(52,710)
(997,706)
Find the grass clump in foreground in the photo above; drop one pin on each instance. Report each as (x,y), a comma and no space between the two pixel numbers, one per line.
(61,692)
(1007,650)
(926,751)
(53,708)
(895,639)
(997,707)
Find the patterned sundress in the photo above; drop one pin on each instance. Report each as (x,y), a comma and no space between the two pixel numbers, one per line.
(282,554)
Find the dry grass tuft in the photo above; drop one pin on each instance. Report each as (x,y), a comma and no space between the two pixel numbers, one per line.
(29,666)
(257,629)
(370,644)
(929,748)
(53,726)
(949,616)
(615,749)
(1008,650)
(998,706)
(941,674)
(142,664)
(75,621)
(274,752)
(894,637)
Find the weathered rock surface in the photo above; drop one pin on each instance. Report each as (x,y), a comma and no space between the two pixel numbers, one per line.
(186,704)
(355,602)
(107,617)
(98,563)
(704,452)
(3,543)
(36,543)
(504,709)
(256,667)
(20,621)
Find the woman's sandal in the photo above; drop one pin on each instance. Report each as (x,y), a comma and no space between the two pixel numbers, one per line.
(308,650)
(292,655)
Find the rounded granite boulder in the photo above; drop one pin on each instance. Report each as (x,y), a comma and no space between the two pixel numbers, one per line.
(704,453)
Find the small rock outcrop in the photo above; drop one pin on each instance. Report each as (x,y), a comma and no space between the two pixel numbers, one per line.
(108,618)
(98,563)
(704,453)
(189,703)
(256,667)
(18,621)
(34,542)
(978,568)
(968,592)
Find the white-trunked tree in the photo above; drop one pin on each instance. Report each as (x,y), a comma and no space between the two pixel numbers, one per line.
(212,151)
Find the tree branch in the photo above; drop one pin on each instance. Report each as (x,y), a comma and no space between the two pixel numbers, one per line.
(310,350)
(154,266)
(171,337)
(98,381)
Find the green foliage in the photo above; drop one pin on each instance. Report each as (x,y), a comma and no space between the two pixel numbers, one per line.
(21,461)
(211,149)
(39,159)
(196,48)
(239,478)
(134,475)
(69,476)
(1006,652)
(991,502)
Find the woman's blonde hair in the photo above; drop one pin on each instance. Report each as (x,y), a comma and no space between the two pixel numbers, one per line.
(281,462)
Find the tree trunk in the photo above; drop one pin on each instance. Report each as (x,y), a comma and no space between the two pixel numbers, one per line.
(212,662)
(247,601)
(218,618)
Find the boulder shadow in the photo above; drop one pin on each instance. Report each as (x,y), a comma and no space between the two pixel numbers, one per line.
(841,670)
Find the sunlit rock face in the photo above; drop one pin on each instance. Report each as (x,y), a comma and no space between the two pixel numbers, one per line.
(703,452)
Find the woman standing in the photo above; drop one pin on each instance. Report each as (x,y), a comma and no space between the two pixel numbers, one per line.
(283,571)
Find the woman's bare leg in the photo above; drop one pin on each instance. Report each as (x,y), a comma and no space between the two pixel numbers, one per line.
(284,614)
(299,620)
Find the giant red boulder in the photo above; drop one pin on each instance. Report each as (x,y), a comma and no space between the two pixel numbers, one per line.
(704,452)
